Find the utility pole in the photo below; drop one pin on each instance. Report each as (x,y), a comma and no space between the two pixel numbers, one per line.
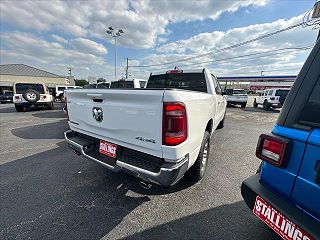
(127,68)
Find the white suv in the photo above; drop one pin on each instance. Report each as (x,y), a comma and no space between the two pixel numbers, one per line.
(271,98)
(31,94)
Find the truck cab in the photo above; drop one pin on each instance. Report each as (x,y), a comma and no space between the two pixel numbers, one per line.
(285,193)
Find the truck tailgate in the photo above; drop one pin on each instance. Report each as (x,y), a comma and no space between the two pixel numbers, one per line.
(131,118)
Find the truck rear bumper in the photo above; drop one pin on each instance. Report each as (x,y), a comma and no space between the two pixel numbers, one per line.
(137,165)
(251,188)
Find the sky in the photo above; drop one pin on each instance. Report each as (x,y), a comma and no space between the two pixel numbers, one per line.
(55,35)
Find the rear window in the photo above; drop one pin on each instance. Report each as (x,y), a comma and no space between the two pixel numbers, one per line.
(282,92)
(311,111)
(142,84)
(21,87)
(90,86)
(61,88)
(229,91)
(235,91)
(8,93)
(187,81)
(122,84)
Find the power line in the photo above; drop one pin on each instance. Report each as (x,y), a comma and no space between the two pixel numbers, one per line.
(235,58)
(227,48)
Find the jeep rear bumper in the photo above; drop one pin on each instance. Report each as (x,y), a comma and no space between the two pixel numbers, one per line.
(251,188)
(145,167)
(28,104)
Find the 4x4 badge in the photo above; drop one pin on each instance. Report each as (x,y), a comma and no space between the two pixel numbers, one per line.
(97,114)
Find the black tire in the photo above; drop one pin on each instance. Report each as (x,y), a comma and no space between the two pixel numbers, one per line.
(19,108)
(51,106)
(221,123)
(259,168)
(61,97)
(243,105)
(282,99)
(3,102)
(266,105)
(198,169)
(31,95)
(255,104)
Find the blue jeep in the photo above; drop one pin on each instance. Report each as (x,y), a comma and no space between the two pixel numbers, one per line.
(285,193)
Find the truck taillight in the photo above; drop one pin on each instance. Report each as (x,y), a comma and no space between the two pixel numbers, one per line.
(174,126)
(272,149)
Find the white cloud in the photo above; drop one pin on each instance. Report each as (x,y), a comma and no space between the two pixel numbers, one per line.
(142,21)
(59,38)
(89,46)
(212,41)
(19,47)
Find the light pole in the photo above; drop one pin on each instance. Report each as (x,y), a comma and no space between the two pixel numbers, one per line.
(111,32)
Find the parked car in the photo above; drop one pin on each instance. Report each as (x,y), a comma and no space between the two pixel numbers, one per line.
(90,86)
(236,97)
(285,194)
(157,134)
(103,85)
(134,83)
(271,98)
(31,95)
(59,91)
(6,97)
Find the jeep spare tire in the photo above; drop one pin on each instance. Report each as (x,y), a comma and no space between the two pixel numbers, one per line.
(31,95)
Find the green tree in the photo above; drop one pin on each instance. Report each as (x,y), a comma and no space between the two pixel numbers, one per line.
(81,82)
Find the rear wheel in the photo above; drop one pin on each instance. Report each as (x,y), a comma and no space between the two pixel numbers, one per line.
(19,108)
(61,97)
(243,105)
(266,105)
(198,169)
(50,106)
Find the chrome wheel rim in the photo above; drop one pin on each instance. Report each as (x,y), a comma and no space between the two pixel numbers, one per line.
(31,96)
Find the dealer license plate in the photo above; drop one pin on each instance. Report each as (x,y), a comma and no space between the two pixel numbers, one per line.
(278,222)
(108,149)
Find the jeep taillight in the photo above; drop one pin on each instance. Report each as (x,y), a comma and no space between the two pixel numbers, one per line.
(272,149)
(174,126)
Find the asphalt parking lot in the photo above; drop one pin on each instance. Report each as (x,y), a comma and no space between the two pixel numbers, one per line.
(47,192)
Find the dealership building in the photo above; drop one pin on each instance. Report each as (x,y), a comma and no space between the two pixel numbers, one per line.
(14,73)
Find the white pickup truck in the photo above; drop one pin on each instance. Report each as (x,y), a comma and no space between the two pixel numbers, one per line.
(236,97)
(157,134)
